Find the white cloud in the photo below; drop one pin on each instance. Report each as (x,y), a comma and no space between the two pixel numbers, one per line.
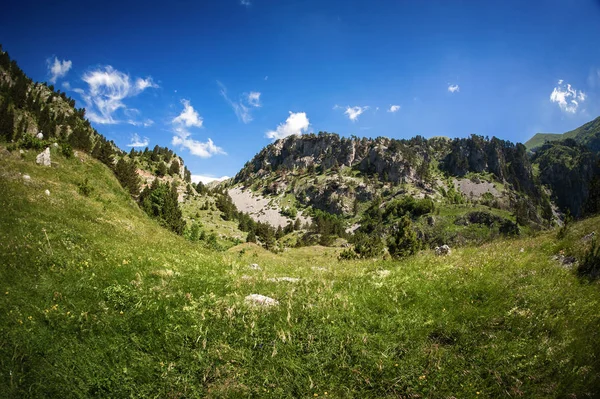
(137,141)
(394,108)
(453,88)
(354,112)
(254,98)
(567,98)
(58,69)
(336,107)
(66,85)
(207,179)
(245,3)
(297,123)
(198,148)
(146,123)
(267,77)
(143,84)
(190,118)
(241,109)
(107,89)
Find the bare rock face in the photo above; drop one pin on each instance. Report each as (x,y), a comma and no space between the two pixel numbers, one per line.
(43,158)
(443,250)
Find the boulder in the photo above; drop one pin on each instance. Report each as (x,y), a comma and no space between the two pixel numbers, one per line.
(443,250)
(260,300)
(47,192)
(26,177)
(39,135)
(43,158)
(254,266)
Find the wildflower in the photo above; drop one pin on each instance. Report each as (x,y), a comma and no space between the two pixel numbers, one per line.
(29,318)
(422,377)
(6,293)
(121,312)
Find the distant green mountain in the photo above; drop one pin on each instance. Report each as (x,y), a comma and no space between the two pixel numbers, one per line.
(540,138)
(588,135)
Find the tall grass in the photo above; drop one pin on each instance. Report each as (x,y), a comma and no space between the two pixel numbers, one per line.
(112,305)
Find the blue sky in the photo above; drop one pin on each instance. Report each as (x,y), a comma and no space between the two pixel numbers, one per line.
(218,80)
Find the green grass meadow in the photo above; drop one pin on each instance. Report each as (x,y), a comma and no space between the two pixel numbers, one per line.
(98,301)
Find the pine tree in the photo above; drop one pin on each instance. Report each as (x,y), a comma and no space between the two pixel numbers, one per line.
(174,168)
(80,139)
(161,171)
(404,240)
(20,130)
(9,127)
(187,175)
(5,122)
(251,236)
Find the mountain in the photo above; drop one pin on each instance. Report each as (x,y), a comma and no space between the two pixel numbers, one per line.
(457,191)
(120,279)
(569,165)
(587,135)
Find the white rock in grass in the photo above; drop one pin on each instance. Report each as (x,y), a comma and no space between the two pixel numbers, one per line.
(55,145)
(39,135)
(47,192)
(43,158)
(383,273)
(260,300)
(254,266)
(443,250)
(26,177)
(286,279)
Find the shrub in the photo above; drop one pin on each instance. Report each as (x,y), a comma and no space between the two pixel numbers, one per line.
(30,142)
(290,212)
(348,254)
(590,264)
(66,150)
(404,240)
(85,188)
(368,246)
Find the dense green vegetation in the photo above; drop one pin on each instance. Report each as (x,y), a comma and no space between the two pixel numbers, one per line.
(98,300)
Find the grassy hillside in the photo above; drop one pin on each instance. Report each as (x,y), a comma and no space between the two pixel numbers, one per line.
(540,138)
(99,301)
(587,134)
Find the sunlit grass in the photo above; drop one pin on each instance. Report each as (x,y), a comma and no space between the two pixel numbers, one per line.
(111,305)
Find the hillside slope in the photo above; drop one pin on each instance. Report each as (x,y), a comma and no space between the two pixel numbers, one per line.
(99,301)
(587,134)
